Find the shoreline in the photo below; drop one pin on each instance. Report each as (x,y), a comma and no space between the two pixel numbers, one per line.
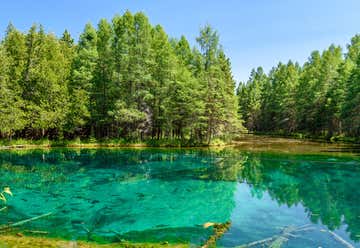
(105,145)
(248,140)
(162,143)
(20,240)
(312,138)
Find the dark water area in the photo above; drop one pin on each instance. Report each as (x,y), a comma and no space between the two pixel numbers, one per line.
(155,195)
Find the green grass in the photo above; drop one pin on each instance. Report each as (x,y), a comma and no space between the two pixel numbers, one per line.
(92,142)
(25,142)
(120,142)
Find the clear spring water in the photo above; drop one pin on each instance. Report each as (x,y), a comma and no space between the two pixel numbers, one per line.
(154,195)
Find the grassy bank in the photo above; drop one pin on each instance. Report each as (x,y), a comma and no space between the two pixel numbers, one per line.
(311,137)
(92,143)
(175,143)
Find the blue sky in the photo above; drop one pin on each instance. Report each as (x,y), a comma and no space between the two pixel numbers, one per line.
(253,32)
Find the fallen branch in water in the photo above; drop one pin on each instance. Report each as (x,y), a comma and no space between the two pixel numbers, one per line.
(279,239)
(88,232)
(20,223)
(258,242)
(117,233)
(341,240)
(278,242)
(36,232)
(2,209)
(118,236)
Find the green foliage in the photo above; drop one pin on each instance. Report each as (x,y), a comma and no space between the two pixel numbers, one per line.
(11,113)
(320,99)
(250,96)
(125,79)
(351,107)
(218,87)
(83,67)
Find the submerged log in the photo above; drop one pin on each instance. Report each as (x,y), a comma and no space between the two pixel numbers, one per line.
(341,240)
(258,242)
(36,232)
(20,223)
(278,240)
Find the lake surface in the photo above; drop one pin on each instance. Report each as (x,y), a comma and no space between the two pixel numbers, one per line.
(155,195)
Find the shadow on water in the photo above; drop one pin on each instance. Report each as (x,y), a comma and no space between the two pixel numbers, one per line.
(152,195)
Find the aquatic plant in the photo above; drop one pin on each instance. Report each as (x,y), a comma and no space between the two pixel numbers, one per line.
(5,191)
(9,227)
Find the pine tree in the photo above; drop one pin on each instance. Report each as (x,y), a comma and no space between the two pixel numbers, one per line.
(335,99)
(81,82)
(216,80)
(44,87)
(141,61)
(123,40)
(124,79)
(163,74)
(184,105)
(249,97)
(102,85)
(129,118)
(284,82)
(184,53)
(305,92)
(331,60)
(15,50)
(350,109)
(232,122)
(11,106)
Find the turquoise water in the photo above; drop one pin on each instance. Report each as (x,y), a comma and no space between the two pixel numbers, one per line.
(149,195)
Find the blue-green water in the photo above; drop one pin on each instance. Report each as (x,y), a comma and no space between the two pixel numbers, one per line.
(151,195)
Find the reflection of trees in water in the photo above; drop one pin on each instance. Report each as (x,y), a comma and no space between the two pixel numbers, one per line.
(95,178)
(328,191)
(134,164)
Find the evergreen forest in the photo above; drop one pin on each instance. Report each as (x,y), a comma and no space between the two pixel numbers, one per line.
(319,99)
(124,78)
(127,79)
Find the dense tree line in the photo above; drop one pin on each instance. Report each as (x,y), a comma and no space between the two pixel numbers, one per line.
(125,78)
(322,97)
